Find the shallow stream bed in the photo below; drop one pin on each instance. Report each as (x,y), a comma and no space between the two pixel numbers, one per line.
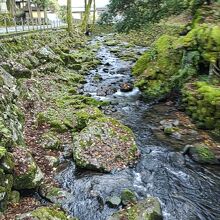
(186,190)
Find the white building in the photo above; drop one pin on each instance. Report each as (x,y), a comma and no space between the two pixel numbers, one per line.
(3,6)
(79,11)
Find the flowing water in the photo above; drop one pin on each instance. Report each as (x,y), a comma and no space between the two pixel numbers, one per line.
(186,190)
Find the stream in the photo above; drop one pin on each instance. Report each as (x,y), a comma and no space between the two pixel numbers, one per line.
(186,190)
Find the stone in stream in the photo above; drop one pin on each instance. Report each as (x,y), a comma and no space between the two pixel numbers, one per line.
(106,90)
(148,209)
(114,201)
(105,70)
(126,87)
(44,213)
(201,154)
(104,145)
(54,194)
(127,196)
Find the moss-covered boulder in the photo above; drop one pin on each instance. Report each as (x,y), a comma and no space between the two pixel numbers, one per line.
(202,154)
(54,194)
(46,54)
(127,196)
(155,69)
(105,144)
(148,209)
(202,102)
(45,213)
(27,175)
(11,117)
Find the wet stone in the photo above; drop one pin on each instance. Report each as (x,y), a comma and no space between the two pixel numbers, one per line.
(126,87)
(114,201)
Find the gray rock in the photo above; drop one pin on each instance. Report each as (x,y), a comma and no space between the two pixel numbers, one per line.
(105,144)
(114,201)
(27,175)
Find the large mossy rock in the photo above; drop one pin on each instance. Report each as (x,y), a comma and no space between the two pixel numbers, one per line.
(27,175)
(148,209)
(201,154)
(105,144)
(155,68)
(54,194)
(202,103)
(45,213)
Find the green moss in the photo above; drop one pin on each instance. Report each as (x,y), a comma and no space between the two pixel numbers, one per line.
(50,213)
(2,152)
(83,116)
(203,154)
(7,163)
(148,209)
(14,197)
(141,64)
(127,196)
(202,101)
(154,71)
(50,141)
(111,43)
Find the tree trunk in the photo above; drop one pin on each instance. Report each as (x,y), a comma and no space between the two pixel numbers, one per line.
(45,15)
(39,15)
(85,5)
(11,7)
(86,16)
(69,16)
(30,11)
(94,13)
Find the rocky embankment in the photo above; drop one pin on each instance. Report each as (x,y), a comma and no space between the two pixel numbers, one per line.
(187,65)
(41,113)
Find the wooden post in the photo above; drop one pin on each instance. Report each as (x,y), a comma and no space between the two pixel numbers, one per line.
(6,25)
(16,30)
(28,24)
(22,23)
(37,23)
(44,23)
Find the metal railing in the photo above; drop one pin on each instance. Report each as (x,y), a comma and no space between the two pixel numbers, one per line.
(24,25)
